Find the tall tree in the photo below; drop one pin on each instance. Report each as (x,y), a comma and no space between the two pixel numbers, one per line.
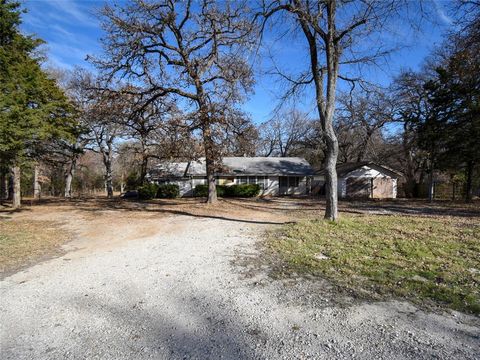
(411,109)
(192,50)
(335,32)
(32,107)
(454,94)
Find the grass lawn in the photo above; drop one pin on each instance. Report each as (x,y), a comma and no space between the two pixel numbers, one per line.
(23,242)
(424,259)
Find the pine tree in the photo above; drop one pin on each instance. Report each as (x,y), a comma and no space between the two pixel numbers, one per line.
(33,109)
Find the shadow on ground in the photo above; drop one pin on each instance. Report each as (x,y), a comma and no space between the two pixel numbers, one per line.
(199,326)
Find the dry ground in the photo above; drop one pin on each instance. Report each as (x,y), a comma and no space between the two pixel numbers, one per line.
(177,279)
(41,227)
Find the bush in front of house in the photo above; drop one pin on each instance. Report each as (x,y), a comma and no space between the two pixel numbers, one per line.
(242,190)
(202,191)
(168,191)
(147,191)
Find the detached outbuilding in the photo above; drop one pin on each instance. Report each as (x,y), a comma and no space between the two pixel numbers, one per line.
(361,180)
(275,175)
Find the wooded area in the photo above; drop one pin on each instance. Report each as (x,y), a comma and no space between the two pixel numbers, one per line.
(173,76)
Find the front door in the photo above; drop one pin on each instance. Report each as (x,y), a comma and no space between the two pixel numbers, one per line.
(282,185)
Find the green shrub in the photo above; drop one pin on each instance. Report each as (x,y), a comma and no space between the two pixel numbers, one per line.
(168,191)
(241,190)
(132,181)
(202,190)
(147,191)
(221,190)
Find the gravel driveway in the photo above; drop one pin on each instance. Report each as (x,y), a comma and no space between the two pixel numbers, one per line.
(177,293)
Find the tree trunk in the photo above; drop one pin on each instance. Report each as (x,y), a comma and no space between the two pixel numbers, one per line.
(331,192)
(109,179)
(325,103)
(37,187)
(10,186)
(107,162)
(69,173)
(144,164)
(210,164)
(143,168)
(468,188)
(3,186)
(122,184)
(16,198)
(431,184)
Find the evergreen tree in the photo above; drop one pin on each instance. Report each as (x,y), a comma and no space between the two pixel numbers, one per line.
(451,134)
(33,109)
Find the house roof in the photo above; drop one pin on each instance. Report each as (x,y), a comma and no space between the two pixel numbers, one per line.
(237,166)
(344,169)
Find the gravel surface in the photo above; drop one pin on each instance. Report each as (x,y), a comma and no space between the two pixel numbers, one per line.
(177,292)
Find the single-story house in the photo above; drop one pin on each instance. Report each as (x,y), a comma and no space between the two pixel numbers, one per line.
(275,175)
(361,180)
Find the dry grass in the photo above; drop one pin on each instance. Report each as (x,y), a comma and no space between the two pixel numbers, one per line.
(24,242)
(424,259)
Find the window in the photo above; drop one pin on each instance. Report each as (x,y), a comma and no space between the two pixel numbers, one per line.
(242,180)
(261,180)
(293,181)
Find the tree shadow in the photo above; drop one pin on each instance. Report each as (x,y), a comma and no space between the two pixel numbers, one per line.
(184,213)
(413,208)
(262,204)
(193,325)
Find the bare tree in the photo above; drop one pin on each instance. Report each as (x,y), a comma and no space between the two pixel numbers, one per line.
(105,125)
(333,30)
(145,121)
(240,134)
(104,109)
(195,52)
(286,133)
(411,109)
(362,116)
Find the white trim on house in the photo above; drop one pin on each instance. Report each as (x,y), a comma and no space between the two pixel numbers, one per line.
(269,172)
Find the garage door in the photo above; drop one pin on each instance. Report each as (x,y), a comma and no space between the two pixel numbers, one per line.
(382,188)
(358,187)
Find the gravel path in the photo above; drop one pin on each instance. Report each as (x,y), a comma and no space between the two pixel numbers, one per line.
(179,294)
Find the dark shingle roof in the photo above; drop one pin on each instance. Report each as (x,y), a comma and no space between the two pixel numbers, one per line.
(237,166)
(345,168)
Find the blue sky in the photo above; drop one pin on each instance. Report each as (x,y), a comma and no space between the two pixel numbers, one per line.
(72,30)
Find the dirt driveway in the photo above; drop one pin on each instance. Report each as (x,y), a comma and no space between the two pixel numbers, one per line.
(167,281)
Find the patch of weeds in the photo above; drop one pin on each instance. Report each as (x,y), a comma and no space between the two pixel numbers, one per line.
(423,259)
(23,242)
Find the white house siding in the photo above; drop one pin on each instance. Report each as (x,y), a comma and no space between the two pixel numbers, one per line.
(272,186)
(185,187)
(342,187)
(363,172)
(302,187)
